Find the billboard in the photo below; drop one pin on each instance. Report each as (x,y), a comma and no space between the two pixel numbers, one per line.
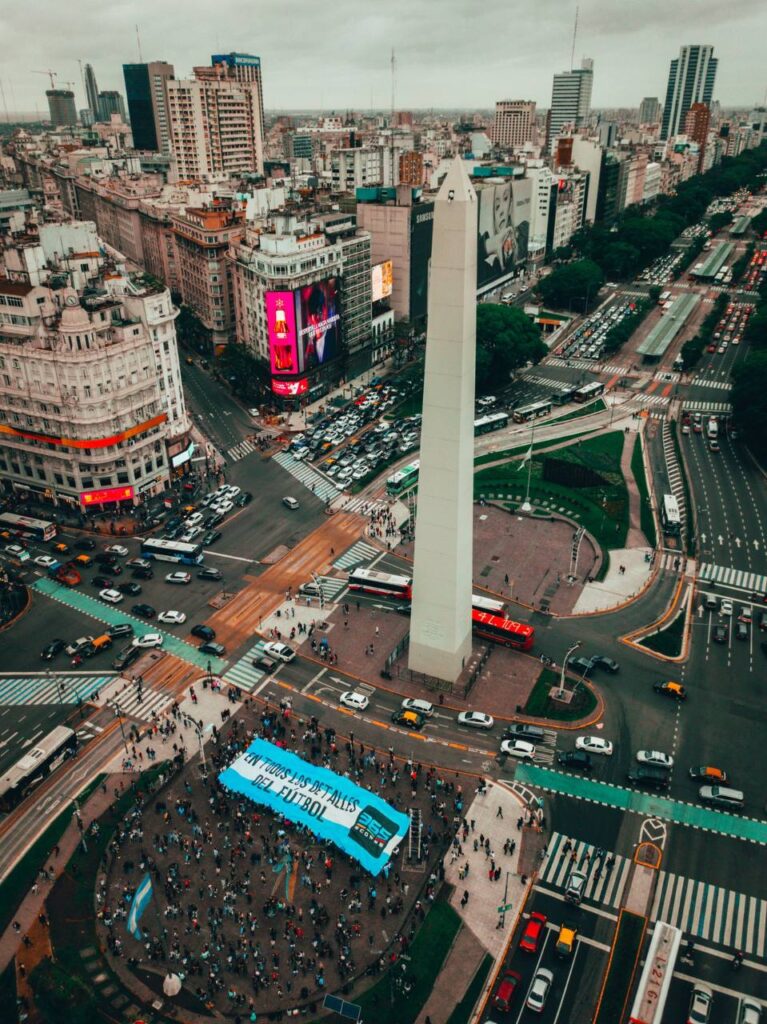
(381,280)
(318,324)
(281,324)
(108,494)
(503,213)
(290,388)
(329,805)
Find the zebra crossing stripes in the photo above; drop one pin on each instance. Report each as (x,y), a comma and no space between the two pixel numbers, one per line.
(665,377)
(711,912)
(307,476)
(331,587)
(148,706)
(721,408)
(357,553)
(56,688)
(740,578)
(365,505)
(546,382)
(651,400)
(585,364)
(722,385)
(560,862)
(244,673)
(239,451)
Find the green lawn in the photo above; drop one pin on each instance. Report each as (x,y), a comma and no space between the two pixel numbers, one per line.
(383,1004)
(668,641)
(646,519)
(462,1013)
(540,705)
(617,987)
(520,449)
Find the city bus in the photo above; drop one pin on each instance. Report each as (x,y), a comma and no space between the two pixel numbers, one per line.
(670,516)
(488,604)
(23,526)
(502,631)
(50,752)
(652,992)
(589,391)
(525,413)
(172,551)
(399,587)
(403,478)
(663,298)
(495,421)
(563,397)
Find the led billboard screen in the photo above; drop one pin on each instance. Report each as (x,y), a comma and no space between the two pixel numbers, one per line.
(504,228)
(108,494)
(318,324)
(283,340)
(382,280)
(290,388)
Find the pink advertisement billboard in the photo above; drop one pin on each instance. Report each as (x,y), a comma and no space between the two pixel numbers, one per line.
(290,388)
(319,323)
(281,321)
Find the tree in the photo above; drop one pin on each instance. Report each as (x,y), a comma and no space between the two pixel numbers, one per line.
(575,284)
(749,400)
(241,371)
(756,329)
(506,339)
(191,331)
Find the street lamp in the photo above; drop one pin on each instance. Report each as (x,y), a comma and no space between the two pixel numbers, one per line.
(561,690)
(119,715)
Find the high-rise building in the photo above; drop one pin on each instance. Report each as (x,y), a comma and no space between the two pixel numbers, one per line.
(110,102)
(514,123)
(690,80)
(61,104)
(650,110)
(696,125)
(91,90)
(411,169)
(571,99)
(245,68)
(146,89)
(215,120)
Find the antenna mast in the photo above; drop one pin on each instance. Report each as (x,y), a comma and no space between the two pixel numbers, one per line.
(575,33)
(138,42)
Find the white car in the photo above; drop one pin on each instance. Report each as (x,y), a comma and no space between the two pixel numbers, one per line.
(148,640)
(299,454)
(655,757)
(194,520)
(476,719)
(222,507)
(16,549)
(178,577)
(279,651)
(45,561)
(422,707)
(254,413)
(172,618)
(233,490)
(118,549)
(518,748)
(111,596)
(539,990)
(355,701)
(594,745)
(725,606)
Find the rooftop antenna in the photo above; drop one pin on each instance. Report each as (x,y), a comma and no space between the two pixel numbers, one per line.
(138,43)
(391,119)
(5,105)
(575,33)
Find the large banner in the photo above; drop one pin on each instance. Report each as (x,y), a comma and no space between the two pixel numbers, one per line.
(139,905)
(357,821)
(504,228)
(283,341)
(318,323)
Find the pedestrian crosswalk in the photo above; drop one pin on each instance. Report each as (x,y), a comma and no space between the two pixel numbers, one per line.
(585,364)
(366,506)
(711,912)
(355,555)
(546,382)
(244,673)
(716,408)
(50,688)
(308,476)
(565,855)
(741,578)
(331,587)
(665,377)
(239,451)
(146,706)
(648,401)
(704,382)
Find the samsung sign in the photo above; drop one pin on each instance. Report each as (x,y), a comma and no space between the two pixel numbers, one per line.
(329,805)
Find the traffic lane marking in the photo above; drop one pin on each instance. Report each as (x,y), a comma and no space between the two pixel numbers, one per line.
(598,911)
(692,979)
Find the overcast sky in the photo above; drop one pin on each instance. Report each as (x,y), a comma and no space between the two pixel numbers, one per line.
(336,54)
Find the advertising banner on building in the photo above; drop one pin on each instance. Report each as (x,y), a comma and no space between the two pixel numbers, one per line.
(504,227)
(107,494)
(381,280)
(329,805)
(290,388)
(318,324)
(281,322)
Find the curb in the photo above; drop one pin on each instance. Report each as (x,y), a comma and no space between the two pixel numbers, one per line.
(629,639)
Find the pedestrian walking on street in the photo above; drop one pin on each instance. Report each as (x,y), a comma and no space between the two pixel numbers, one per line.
(519,824)
(499,812)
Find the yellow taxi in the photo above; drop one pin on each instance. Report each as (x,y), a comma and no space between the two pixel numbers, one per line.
(566,940)
(670,689)
(408,719)
(705,773)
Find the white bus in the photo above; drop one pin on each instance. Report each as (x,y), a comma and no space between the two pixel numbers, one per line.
(671,518)
(488,604)
(655,982)
(172,551)
(663,298)
(383,583)
(47,754)
(525,413)
(23,526)
(494,421)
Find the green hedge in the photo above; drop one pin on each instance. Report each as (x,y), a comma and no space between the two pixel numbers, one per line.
(667,641)
(646,518)
(540,705)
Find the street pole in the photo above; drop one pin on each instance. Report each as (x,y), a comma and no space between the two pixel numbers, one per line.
(561,690)
(505,898)
(119,714)
(527,507)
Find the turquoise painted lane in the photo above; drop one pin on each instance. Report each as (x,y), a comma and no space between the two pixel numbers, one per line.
(644,803)
(111,615)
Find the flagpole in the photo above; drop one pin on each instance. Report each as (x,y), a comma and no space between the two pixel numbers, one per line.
(527,507)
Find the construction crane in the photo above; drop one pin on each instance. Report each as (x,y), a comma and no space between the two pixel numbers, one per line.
(51,75)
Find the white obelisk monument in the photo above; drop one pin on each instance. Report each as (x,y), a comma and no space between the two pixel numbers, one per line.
(440,621)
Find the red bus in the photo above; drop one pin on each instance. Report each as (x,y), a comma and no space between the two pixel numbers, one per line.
(399,587)
(502,631)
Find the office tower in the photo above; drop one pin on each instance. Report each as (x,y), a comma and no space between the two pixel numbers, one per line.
(91,90)
(61,104)
(146,89)
(440,623)
(690,80)
(245,68)
(571,99)
(649,110)
(110,102)
(696,126)
(514,123)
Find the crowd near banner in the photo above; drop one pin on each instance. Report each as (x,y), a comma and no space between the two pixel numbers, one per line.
(139,905)
(330,805)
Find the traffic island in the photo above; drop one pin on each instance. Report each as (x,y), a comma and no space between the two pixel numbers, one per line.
(618,979)
(546,701)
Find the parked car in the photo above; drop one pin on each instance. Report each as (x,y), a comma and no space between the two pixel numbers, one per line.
(204,632)
(120,629)
(172,618)
(518,748)
(594,745)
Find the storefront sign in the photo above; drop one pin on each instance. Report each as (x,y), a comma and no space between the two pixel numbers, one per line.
(108,494)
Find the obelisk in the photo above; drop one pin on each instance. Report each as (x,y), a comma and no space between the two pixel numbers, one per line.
(440,621)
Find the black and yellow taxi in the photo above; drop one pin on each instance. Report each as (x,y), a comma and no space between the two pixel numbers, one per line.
(566,940)
(668,688)
(707,773)
(408,719)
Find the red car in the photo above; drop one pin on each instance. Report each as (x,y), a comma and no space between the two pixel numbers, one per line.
(534,929)
(503,997)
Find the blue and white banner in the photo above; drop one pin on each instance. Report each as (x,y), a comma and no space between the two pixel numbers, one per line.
(139,905)
(333,807)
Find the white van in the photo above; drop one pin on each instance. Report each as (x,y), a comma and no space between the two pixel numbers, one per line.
(423,707)
(290,503)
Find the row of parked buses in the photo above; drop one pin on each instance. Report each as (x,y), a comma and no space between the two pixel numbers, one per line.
(488,615)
